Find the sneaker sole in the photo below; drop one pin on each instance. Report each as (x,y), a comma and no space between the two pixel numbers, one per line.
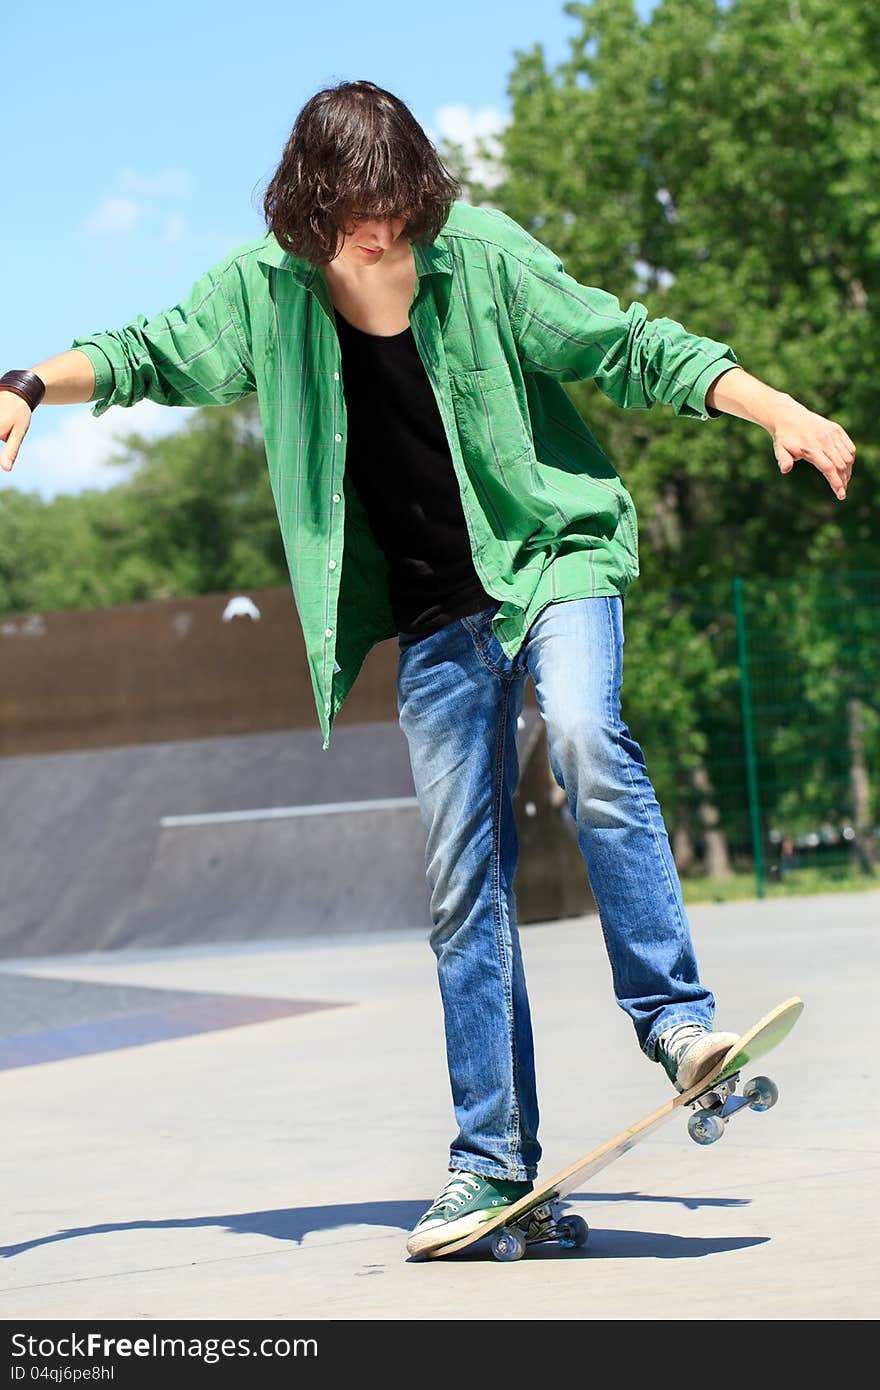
(420,1242)
(707,1064)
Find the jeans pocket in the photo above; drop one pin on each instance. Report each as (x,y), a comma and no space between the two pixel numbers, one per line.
(486,644)
(480,624)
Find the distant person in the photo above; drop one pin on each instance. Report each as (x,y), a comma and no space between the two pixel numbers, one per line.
(435,483)
(788,859)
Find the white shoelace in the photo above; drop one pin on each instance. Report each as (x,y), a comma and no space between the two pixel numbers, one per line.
(455,1193)
(676,1040)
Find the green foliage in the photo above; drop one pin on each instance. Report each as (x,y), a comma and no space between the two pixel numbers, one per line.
(719,163)
(195,517)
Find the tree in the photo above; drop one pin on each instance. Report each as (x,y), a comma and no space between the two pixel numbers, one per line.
(195,516)
(720,164)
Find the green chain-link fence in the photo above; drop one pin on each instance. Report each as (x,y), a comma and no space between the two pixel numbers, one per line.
(757,704)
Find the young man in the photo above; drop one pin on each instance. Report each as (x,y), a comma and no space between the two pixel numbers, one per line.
(435,483)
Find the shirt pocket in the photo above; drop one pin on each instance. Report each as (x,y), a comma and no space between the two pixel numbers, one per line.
(492,419)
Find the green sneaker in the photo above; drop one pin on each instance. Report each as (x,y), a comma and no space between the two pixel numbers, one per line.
(467,1200)
(690,1051)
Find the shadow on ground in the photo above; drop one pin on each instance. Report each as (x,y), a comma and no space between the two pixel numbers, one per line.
(622,1245)
(295,1223)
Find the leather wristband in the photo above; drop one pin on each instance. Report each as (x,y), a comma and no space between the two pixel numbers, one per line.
(28,385)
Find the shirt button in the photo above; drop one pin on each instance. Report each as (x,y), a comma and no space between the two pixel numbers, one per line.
(335,376)
(327,705)
(338,438)
(336,497)
(332,565)
(329,632)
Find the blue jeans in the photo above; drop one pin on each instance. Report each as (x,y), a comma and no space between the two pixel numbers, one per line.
(459,697)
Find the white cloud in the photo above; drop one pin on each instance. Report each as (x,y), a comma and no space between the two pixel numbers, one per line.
(78,452)
(168,183)
(463,124)
(466,126)
(112,216)
(174,228)
(139,199)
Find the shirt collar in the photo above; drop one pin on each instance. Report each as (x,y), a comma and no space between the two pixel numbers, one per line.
(435,259)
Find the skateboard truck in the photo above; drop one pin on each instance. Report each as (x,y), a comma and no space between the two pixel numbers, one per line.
(714,1108)
(546,1222)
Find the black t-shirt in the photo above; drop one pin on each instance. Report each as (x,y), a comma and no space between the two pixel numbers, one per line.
(398,459)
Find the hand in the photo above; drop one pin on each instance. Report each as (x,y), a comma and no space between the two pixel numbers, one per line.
(15,421)
(799,433)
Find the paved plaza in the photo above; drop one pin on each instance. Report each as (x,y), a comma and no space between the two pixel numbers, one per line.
(250,1130)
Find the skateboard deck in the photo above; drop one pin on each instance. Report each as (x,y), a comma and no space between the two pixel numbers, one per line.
(536,1217)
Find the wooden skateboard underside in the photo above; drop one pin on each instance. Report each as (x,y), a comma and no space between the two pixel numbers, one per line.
(715,1093)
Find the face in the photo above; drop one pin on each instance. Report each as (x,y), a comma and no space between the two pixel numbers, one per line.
(369,239)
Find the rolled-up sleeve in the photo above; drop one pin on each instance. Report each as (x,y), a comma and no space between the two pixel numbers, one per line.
(578,332)
(193,354)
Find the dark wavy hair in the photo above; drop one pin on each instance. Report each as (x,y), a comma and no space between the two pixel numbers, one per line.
(355,151)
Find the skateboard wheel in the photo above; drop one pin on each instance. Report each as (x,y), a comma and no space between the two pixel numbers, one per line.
(705,1128)
(761,1093)
(572,1232)
(508,1244)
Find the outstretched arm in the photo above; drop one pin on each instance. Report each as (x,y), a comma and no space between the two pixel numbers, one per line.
(196,353)
(796,431)
(68,377)
(577,332)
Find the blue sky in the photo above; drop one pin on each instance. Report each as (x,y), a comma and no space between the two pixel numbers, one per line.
(137,140)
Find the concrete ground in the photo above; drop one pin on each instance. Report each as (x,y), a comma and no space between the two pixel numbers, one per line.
(188,1134)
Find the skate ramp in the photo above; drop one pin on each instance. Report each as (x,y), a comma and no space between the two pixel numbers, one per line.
(89,864)
(261,836)
(352,870)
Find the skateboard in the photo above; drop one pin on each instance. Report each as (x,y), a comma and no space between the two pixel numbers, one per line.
(714,1100)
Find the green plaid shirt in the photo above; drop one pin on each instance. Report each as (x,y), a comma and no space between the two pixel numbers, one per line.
(499,325)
